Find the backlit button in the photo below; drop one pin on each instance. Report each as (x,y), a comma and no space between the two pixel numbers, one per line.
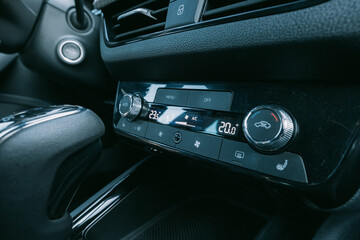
(138,128)
(161,133)
(239,153)
(210,100)
(124,125)
(286,165)
(71,51)
(171,96)
(183,12)
(202,144)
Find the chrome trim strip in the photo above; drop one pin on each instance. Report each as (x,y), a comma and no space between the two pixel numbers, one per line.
(143,11)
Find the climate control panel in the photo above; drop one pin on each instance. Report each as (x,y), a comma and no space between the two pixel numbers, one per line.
(200,122)
(300,135)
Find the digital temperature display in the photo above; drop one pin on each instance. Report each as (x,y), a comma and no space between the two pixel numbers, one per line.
(228,128)
(196,120)
(154,114)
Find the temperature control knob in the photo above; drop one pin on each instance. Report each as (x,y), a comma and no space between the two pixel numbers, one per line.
(130,106)
(268,128)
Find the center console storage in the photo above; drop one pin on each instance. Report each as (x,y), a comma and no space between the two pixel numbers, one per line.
(178,202)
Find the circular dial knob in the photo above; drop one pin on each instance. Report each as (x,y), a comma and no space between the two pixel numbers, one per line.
(268,128)
(130,106)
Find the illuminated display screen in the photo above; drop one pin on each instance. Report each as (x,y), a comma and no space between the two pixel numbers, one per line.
(200,121)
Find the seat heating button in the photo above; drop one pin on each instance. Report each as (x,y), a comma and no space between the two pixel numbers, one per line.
(286,165)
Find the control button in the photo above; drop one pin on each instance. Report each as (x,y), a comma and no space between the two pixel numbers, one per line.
(264,125)
(71,51)
(177,137)
(138,128)
(210,100)
(268,128)
(124,125)
(171,96)
(130,106)
(160,133)
(201,144)
(183,12)
(238,153)
(125,104)
(286,165)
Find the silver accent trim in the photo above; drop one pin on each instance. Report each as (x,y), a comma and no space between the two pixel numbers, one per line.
(284,135)
(136,105)
(143,11)
(12,124)
(68,60)
(199,10)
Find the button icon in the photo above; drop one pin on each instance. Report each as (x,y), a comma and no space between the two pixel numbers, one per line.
(177,137)
(197,144)
(263,124)
(180,10)
(207,100)
(239,155)
(281,167)
(170,97)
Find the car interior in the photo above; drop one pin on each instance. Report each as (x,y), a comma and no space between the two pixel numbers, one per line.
(179,119)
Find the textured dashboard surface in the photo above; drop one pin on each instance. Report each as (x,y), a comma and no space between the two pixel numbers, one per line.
(321,41)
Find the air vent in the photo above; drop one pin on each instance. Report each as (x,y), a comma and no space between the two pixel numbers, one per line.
(129,19)
(222,8)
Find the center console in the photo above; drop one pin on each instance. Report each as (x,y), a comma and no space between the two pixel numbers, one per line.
(263,131)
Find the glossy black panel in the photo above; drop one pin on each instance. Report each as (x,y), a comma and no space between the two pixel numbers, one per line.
(326,115)
(205,121)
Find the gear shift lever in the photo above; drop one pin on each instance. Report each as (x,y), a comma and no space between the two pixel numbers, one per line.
(44,155)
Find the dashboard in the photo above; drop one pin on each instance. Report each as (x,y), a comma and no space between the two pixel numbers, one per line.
(262,91)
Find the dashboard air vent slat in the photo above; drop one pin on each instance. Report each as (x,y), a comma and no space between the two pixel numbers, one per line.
(145,17)
(218,9)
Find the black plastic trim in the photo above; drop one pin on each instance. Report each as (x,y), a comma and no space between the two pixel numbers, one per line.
(232,18)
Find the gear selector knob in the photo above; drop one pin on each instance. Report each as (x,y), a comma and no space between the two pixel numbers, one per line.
(45,154)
